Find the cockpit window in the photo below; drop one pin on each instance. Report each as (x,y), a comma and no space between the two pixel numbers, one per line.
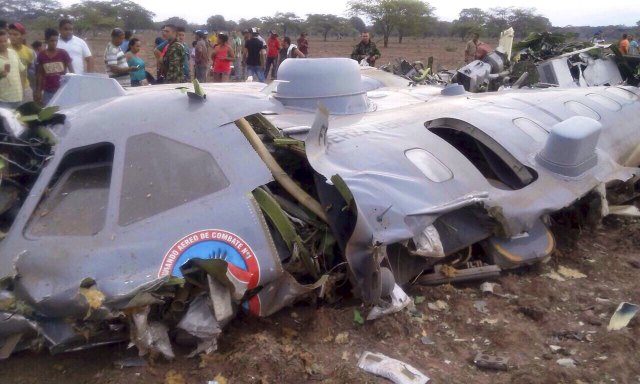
(77,197)
(160,174)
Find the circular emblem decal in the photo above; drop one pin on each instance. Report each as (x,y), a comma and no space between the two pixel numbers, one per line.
(213,244)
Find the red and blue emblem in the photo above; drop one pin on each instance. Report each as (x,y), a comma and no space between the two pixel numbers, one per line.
(216,244)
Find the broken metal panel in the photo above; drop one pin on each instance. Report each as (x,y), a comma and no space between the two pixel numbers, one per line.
(602,72)
(121,259)
(556,71)
(384,196)
(381,198)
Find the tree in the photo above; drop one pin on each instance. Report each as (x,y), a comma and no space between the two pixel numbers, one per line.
(216,23)
(381,12)
(474,15)
(231,26)
(26,10)
(250,23)
(133,16)
(358,24)
(285,22)
(177,21)
(387,15)
(412,16)
(92,16)
(324,23)
(525,21)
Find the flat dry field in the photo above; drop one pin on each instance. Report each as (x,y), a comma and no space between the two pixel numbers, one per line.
(447,52)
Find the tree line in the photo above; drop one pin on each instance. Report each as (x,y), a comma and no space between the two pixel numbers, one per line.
(385,18)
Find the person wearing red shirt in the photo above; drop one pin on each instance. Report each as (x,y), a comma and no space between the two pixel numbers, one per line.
(273,49)
(222,57)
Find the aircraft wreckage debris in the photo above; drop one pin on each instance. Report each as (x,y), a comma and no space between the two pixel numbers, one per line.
(117,230)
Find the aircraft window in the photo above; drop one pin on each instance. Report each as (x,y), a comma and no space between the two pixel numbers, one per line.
(160,174)
(534,130)
(429,165)
(582,110)
(495,163)
(76,204)
(605,101)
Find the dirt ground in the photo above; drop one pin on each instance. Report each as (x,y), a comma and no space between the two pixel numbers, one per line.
(527,315)
(314,342)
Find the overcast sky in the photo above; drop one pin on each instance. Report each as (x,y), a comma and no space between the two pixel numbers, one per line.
(561,13)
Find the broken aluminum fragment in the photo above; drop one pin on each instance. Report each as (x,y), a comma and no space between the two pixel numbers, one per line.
(392,369)
(200,322)
(399,301)
(624,210)
(428,243)
(150,336)
(622,316)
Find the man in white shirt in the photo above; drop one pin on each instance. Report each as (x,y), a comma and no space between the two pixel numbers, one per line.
(81,58)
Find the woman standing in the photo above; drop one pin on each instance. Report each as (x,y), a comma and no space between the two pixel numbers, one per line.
(222,57)
(138,74)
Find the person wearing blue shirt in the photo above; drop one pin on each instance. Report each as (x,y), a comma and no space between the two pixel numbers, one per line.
(125,43)
(633,46)
(138,74)
(185,60)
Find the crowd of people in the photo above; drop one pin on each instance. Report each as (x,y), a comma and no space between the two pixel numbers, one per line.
(33,72)
(628,45)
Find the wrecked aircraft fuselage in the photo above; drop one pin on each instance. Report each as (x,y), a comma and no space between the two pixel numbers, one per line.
(155,200)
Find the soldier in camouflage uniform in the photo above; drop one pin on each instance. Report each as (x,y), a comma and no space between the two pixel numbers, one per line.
(366,49)
(172,60)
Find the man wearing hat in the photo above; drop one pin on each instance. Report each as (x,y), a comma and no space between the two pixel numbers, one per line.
(27,57)
(273,48)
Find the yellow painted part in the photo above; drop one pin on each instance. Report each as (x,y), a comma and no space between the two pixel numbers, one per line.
(552,243)
(507,254)
(515,258)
